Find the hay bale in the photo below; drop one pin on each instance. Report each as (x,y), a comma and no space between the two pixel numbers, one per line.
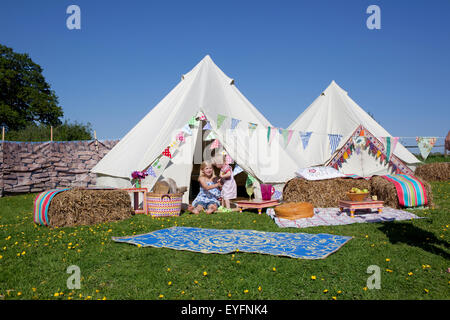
(321,193)
(438,171)
(78,206)
(385,191)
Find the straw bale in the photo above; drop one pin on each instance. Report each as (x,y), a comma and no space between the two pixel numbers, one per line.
(79,206)
(321,193)
(438,171)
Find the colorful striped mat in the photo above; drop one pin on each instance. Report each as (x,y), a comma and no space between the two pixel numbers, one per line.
(41,205)
(410,190)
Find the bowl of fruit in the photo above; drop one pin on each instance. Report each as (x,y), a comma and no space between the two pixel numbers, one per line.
(356,194)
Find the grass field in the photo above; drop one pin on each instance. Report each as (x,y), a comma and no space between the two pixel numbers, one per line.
(413,257)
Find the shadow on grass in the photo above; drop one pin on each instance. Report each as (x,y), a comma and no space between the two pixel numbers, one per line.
(401,232)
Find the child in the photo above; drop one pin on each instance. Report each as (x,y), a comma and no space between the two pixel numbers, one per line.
(229,188)
(208,197)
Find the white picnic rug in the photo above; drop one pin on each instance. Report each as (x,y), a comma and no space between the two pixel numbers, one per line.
(332,217)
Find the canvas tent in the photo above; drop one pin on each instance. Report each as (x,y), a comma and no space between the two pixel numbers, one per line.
(207,91)
(328,123)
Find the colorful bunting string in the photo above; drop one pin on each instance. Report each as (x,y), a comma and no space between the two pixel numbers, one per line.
(334,141)
(304,136)
(220,120)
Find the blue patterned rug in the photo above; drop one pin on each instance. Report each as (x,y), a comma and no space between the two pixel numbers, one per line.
(294,245)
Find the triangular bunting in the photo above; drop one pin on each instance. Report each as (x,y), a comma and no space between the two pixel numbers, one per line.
(304,136)
(234,123)
(207,126)
(186,129)
(167,153)
(193,122)
(151,172)
(270,133)
(220,119)
(334,141)
(251,128)
(237,170)
(425,145)
(215,144)
(210,136)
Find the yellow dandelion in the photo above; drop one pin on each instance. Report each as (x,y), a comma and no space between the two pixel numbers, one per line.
(169,283)
(325,291)
(259,288)
(56,294)
(387,259)
(365,288)
(388,270)
(205,273)
(229,295)
(313,278)
(34,289)
(245,291)
(238,261)
(274,269)
(410,273)
(182,292)
(19,293)
(195,281)
(426,290)
(161,296)
(339,292)
(168,269)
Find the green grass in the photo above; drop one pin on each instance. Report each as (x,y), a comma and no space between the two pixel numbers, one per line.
(434,157)
(413,257)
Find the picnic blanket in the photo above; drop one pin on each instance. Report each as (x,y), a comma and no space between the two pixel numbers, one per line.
(41,205)
(410,190)
(333,217)
(294,245)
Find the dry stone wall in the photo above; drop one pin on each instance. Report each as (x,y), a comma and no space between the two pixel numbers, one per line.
(39,166)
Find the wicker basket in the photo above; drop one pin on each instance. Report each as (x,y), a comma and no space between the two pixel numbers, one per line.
(357,196)
(164,205)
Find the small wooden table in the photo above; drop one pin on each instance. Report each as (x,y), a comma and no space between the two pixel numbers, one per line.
(255,204)
(358,205)
(135,199)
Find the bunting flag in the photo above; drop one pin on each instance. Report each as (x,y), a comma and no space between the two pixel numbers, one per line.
(201,116)
(425,145)
(237,170)
(304,136)
(228,159)
(151,172)
(270,133)
(193,122)
(250,180)
(167,153)
(215,144)
(334,141)
(287,135)
(207,126)
(180,137)
(210,136)
(186,129)
(220,120)
(390,143)
(251,128)
(234,123)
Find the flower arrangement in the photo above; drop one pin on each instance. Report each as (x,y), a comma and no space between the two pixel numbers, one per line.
(137,176)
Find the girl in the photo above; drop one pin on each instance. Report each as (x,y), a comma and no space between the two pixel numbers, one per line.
(208,197)
(229,188)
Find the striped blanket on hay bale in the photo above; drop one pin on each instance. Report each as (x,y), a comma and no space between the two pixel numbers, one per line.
(78,206)
(327,193)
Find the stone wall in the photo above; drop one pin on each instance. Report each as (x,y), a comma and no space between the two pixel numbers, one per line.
(39,166)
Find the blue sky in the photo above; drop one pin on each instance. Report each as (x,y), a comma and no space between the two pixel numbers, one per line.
(129,54)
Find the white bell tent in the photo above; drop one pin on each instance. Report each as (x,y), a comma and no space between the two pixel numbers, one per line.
(240,128)
(328,124)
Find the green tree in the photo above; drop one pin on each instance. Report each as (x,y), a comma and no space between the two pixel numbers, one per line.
(25,96)
(65,132)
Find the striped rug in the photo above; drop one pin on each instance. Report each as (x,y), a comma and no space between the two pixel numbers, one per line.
(410,190)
